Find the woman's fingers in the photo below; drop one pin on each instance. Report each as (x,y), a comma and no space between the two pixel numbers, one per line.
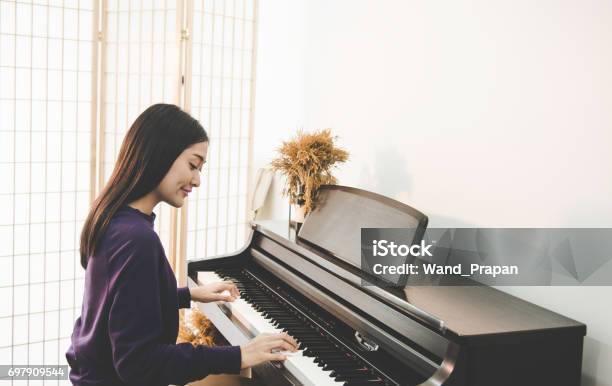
(225,291)
(276,357)
(227,286)
(278,345)
(267,347)
(226,297)
(278,341)
(235,291)
(288,347)
(230,286)
(289,339)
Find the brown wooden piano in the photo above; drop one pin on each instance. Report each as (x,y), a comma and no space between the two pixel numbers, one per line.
(310,286)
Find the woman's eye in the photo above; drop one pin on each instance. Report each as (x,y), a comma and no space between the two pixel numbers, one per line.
(192,166)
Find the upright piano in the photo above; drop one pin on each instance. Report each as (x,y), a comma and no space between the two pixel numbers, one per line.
(310,286)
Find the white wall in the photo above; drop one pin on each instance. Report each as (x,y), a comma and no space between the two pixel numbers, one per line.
(479,113)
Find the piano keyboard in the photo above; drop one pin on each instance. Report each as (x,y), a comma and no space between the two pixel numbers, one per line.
(321,359)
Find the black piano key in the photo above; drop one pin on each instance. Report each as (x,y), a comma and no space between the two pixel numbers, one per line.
(277,312)
(357,378)
(338,358)
(321,348)
(322,362)
(291,322)
(303,330)
(349,372)
(342,366)
(310,339)
(320,353)
(263,302)
(307,336)
(286,325)
(368,382)
(332,357)
(341,363)
(352,376)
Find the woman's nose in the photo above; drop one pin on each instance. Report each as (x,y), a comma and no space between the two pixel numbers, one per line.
(196,180)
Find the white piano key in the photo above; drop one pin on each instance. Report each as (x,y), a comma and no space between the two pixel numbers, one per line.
(208,277)
(303,368)
(288,353)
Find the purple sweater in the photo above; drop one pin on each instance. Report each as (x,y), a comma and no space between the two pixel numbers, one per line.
(127,331)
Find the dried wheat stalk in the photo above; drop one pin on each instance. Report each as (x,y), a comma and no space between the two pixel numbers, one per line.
(200,332)
(308,160)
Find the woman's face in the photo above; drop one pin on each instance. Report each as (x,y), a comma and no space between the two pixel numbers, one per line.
(184,174)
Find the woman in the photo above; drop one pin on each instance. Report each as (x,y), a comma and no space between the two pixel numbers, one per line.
(127,331)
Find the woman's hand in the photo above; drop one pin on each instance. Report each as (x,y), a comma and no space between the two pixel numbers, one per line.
(212,292)
(260,349)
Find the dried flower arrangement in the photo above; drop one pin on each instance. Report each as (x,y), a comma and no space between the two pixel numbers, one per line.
(307,162)
(200,331)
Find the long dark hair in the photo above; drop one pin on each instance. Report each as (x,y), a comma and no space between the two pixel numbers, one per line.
(150,147)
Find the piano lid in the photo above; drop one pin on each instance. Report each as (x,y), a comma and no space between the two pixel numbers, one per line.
(335,223)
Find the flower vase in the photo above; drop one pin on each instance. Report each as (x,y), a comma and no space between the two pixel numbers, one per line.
(296,217)
(297,211)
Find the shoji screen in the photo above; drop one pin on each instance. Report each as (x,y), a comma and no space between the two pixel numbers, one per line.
(46,98)
(221,98)
(73,77)
(140,67)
